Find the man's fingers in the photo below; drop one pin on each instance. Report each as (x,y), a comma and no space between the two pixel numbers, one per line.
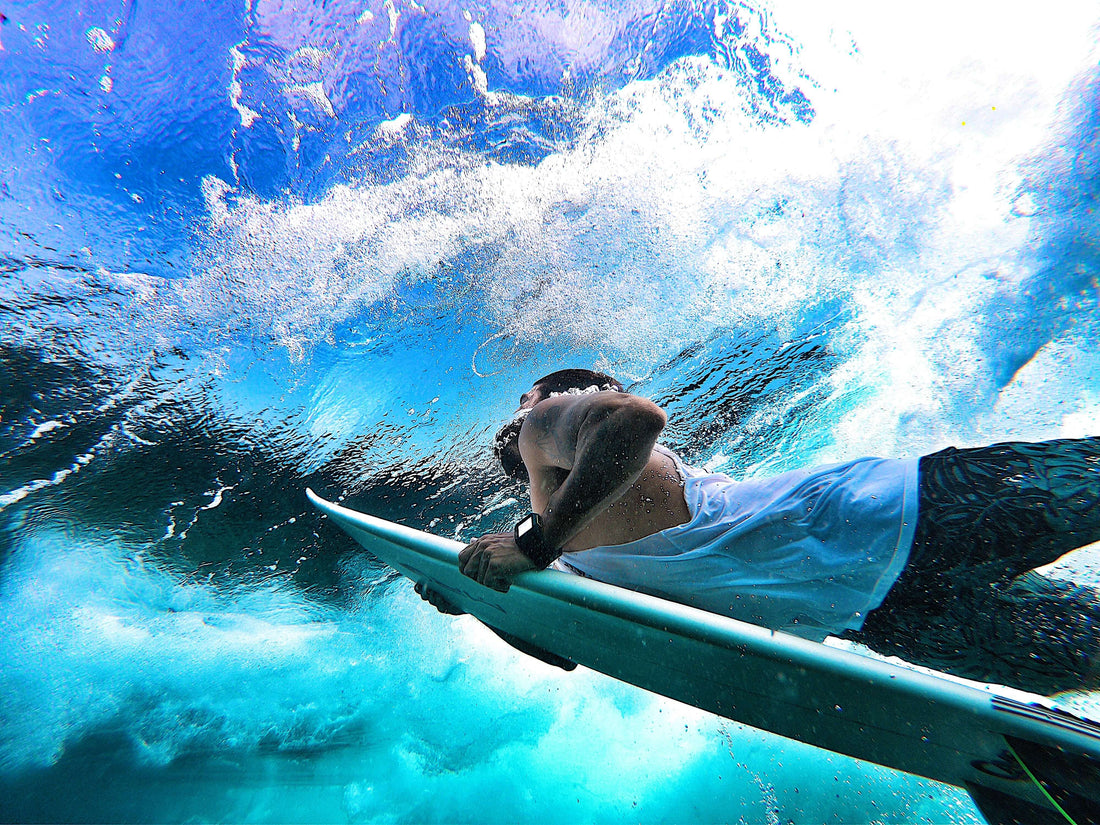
(469,559)
(465,553)
(437,599)
(491,560)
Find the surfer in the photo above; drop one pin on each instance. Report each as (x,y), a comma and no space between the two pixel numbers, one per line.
(930,559)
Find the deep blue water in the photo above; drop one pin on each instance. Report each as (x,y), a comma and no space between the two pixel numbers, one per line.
(249,247)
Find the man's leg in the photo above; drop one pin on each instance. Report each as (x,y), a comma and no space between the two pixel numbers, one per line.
(1040,632)
(987,516)
(1035,633)
(1011,507)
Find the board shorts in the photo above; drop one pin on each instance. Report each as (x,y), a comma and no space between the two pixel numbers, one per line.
(967,602)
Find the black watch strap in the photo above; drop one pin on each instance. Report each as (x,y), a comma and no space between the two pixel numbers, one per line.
(530,541)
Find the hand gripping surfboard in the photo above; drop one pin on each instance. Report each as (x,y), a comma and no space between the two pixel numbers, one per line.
(1021,761)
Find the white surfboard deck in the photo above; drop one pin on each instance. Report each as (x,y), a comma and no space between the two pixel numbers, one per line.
(833,699)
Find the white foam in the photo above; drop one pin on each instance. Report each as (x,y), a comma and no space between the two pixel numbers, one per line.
(99,40)
(19,493)
(393,14)
(395,125)
(248,115)
(1083,422)
(477,41)
(45,427)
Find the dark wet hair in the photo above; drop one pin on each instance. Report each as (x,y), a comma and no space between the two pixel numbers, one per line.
(506,442)
(574,379)
(506,449)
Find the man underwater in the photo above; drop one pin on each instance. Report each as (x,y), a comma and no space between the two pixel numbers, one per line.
(929,559)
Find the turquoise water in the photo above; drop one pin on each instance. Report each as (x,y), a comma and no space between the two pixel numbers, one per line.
(250,247)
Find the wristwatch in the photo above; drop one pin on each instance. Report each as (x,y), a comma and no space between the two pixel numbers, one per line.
(530,541)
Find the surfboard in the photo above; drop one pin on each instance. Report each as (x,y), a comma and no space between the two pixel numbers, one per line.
(1021,760)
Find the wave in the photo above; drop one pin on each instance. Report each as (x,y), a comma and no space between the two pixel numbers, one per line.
(256,247)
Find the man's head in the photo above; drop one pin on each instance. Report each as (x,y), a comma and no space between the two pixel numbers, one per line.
(573,380)
(506,443)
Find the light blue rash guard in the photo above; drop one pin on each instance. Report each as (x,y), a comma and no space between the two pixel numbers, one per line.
(809,552)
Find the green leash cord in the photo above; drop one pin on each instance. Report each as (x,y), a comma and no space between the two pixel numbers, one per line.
(1039,785)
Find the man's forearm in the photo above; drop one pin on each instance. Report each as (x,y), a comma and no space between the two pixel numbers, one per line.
(613,449)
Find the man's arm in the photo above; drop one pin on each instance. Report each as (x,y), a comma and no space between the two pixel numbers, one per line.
(600,443)
(604,441)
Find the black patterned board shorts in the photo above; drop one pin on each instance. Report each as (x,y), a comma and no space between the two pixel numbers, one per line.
(967,602)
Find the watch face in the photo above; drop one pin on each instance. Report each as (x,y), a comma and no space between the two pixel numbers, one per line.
(524,527)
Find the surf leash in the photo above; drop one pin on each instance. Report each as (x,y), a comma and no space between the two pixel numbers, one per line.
(1039,785)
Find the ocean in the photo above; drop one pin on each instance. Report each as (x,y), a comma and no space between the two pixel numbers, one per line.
(254,246)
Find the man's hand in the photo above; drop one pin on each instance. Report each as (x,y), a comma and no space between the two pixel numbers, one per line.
(494,560)
(437,600)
